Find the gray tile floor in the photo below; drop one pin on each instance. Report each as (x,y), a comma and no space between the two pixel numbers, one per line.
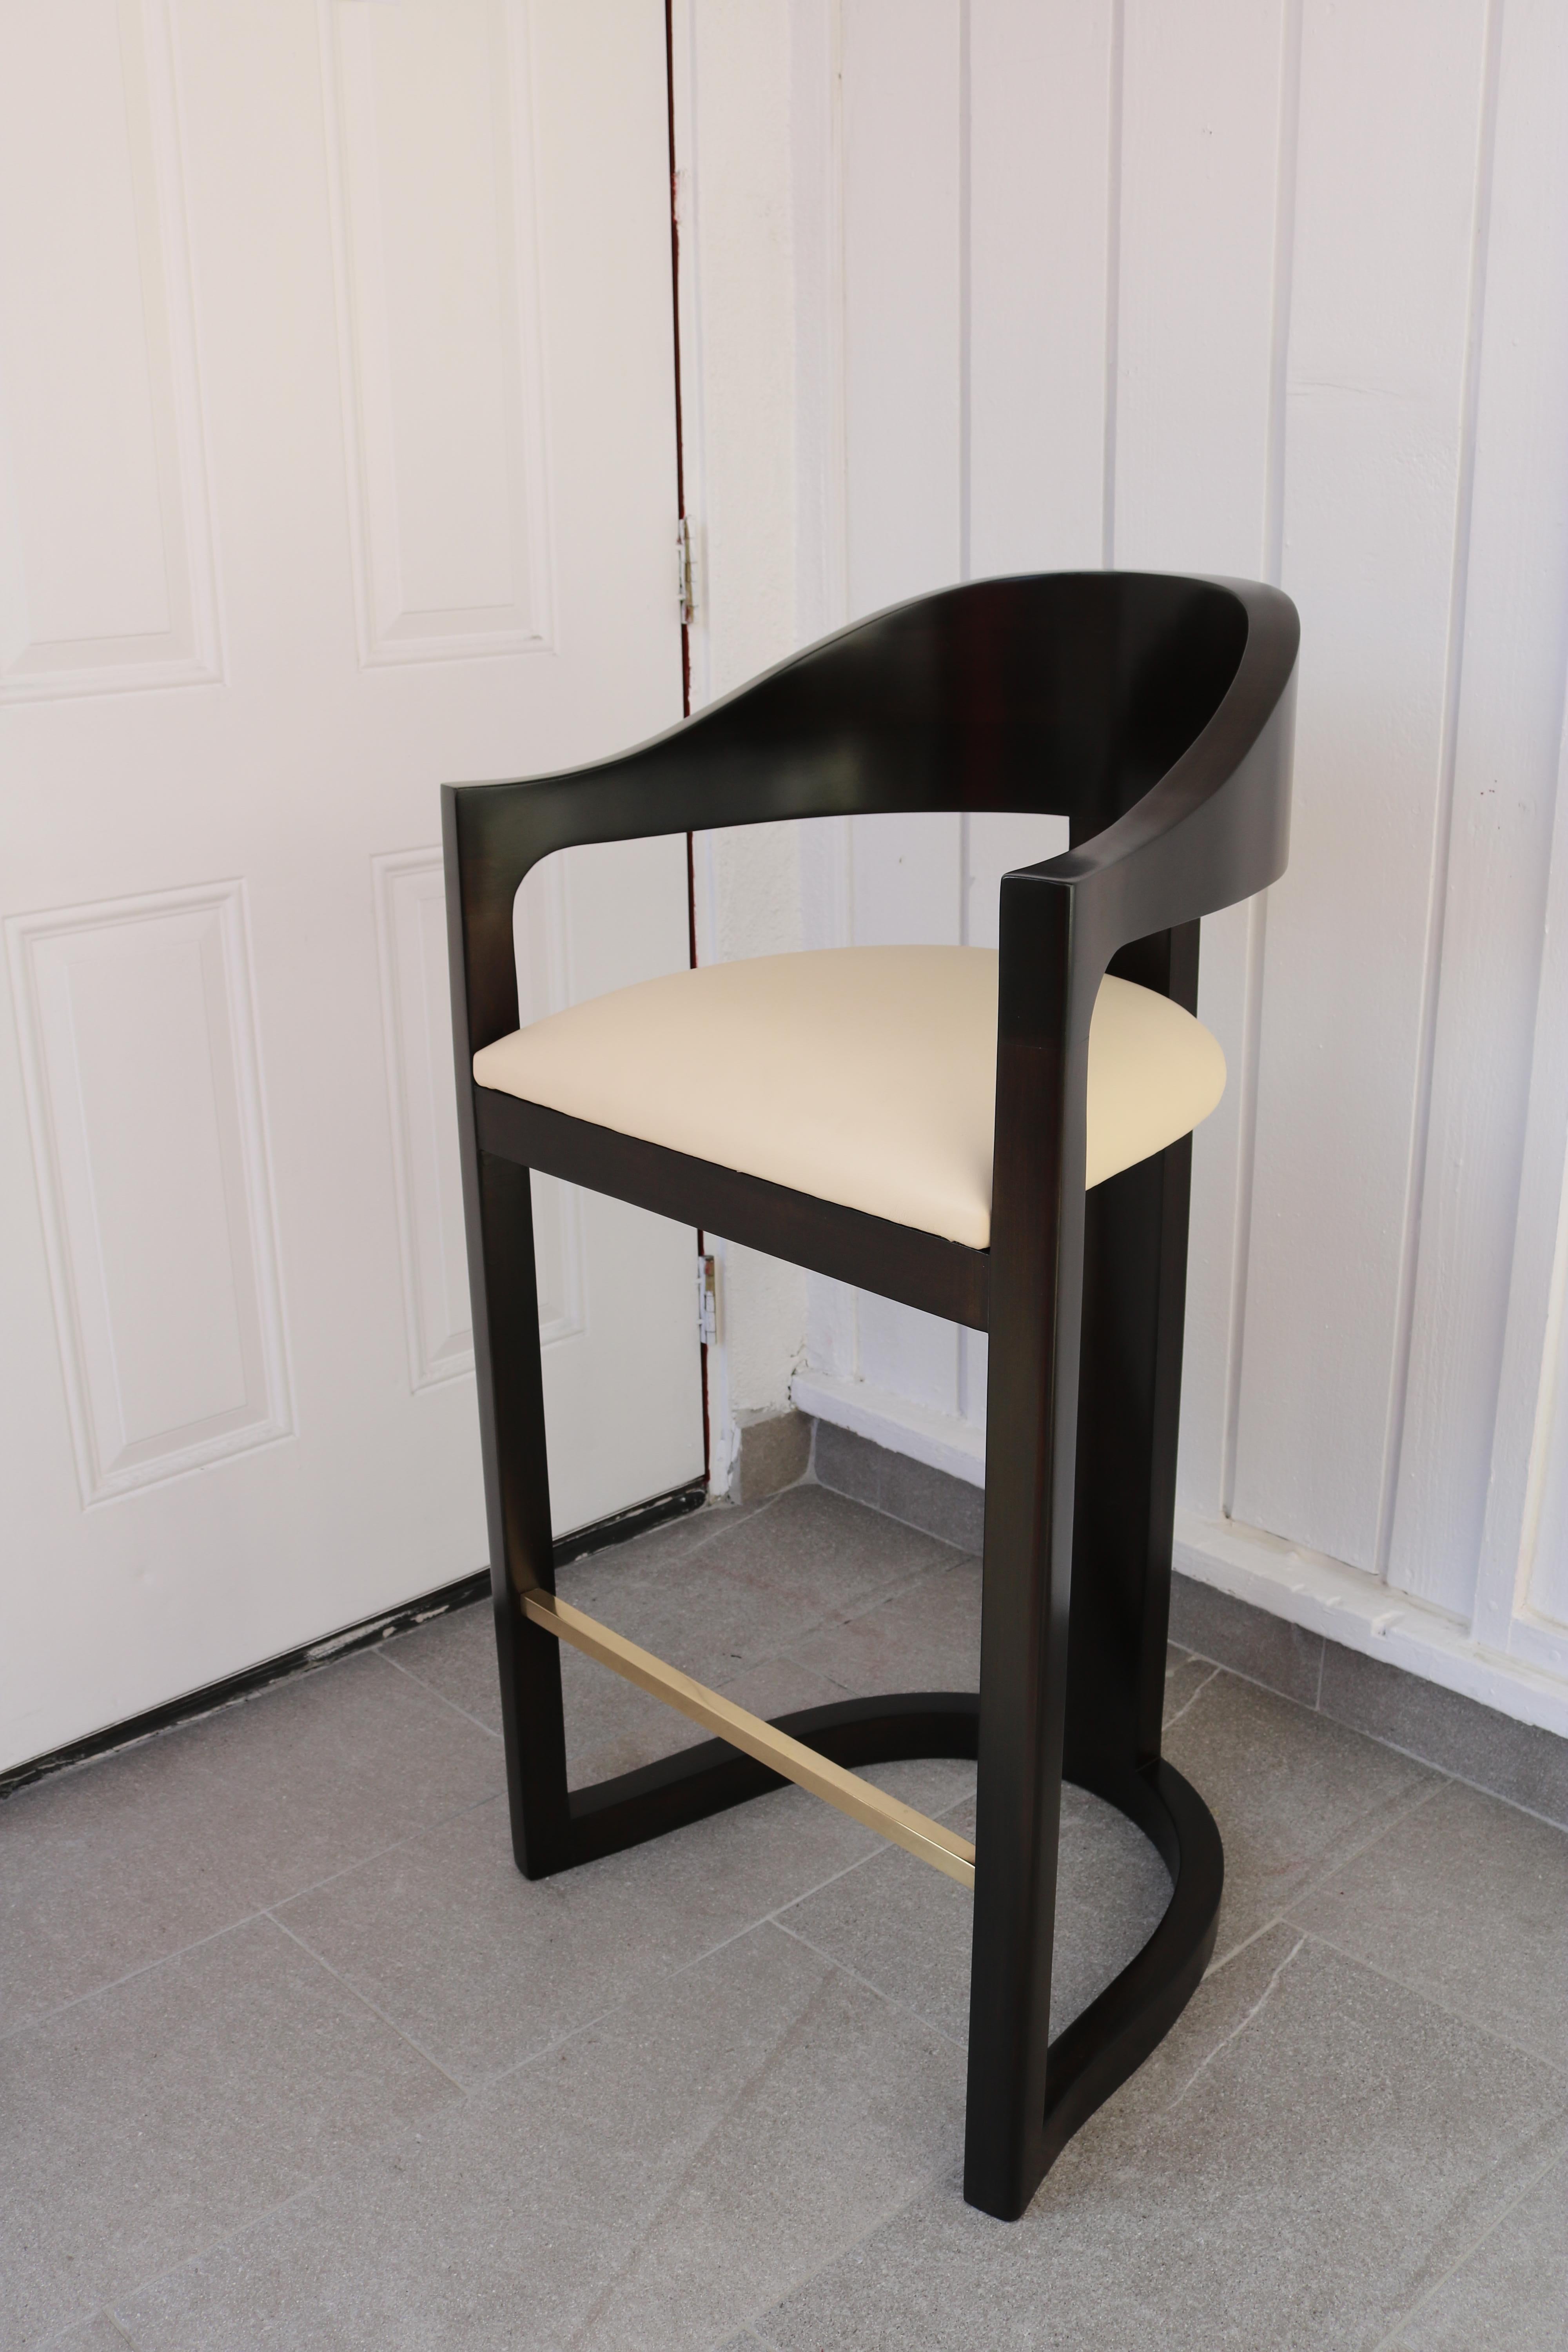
(291,2056)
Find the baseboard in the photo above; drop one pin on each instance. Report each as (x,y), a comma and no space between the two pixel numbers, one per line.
(1355,1612)
(915,1431)
(1256,1606)
(618,1529)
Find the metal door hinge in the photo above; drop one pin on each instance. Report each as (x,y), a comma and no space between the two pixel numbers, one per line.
(707,1301)
(683,560)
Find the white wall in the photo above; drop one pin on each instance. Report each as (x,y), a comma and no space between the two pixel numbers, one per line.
(1274,287)
(731,68)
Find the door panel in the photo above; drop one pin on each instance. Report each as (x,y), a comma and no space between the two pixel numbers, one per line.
(337,460)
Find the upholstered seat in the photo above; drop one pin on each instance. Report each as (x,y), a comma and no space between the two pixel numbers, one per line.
(864,1075)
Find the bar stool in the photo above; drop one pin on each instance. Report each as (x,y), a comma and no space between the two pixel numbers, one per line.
(1001,1140)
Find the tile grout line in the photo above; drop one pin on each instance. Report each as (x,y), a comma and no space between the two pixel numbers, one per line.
(204,2254)
(1444,1772)
(1373,1834)
(736,2105)
(1445,2007)
(349,1987)
(764,1919)
(535,2058)
(1340,1860)
(419,1682)
(1390,2343)
(245,1920)
(891,2000)
(929,2180)
(1378,1738)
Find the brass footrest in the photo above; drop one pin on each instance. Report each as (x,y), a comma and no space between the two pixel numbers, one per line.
(916,1833)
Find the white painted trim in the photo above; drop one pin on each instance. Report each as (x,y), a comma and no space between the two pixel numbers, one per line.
(938,1439)
(1325,1596)
(1355,1609)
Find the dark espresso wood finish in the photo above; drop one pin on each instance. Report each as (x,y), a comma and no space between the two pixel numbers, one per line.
(918,1269)
(1156,715)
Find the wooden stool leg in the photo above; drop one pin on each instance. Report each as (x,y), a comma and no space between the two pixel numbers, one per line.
(517,1499)
(1031,1422)
(1079,1501)
(1130,1372)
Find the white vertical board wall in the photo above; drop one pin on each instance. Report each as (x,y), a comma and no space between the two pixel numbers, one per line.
(1271,290)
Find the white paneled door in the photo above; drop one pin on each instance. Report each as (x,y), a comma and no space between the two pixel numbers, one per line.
(337,460)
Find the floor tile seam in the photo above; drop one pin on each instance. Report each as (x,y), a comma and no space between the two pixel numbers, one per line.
(904,1583)
(775,1918)
(244,1919)
(204,2253)
(146,1969)
(658,1976)
(729,1516)
(380,1852)
(806,1893)
(1303,1706)
(812,1622)
(729,2109)
(876,1600)
(410,2040)
(1553,2067)
(1341,1859)
(570,2034)
(1371,1834)
(1390,2343)
(420,1683)
(830,1618)
(681,1968)
(932,2178)
(1478,1788)
(1187,1704)
(1381,1740)
(898,1521)
(890,1999)
(865,1604)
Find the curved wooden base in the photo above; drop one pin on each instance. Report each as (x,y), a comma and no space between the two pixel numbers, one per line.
(1112,2038)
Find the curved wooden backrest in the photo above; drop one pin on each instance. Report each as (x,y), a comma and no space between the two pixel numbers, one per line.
(1151,711)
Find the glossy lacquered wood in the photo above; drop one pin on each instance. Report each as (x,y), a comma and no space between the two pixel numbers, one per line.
(1156,713)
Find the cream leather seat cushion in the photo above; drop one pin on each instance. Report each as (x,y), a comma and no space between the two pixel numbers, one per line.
(865,1075)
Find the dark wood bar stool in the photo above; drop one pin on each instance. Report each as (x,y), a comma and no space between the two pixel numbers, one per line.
(1004,1140)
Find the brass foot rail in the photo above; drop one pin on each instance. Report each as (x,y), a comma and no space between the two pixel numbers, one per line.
(916,1833)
